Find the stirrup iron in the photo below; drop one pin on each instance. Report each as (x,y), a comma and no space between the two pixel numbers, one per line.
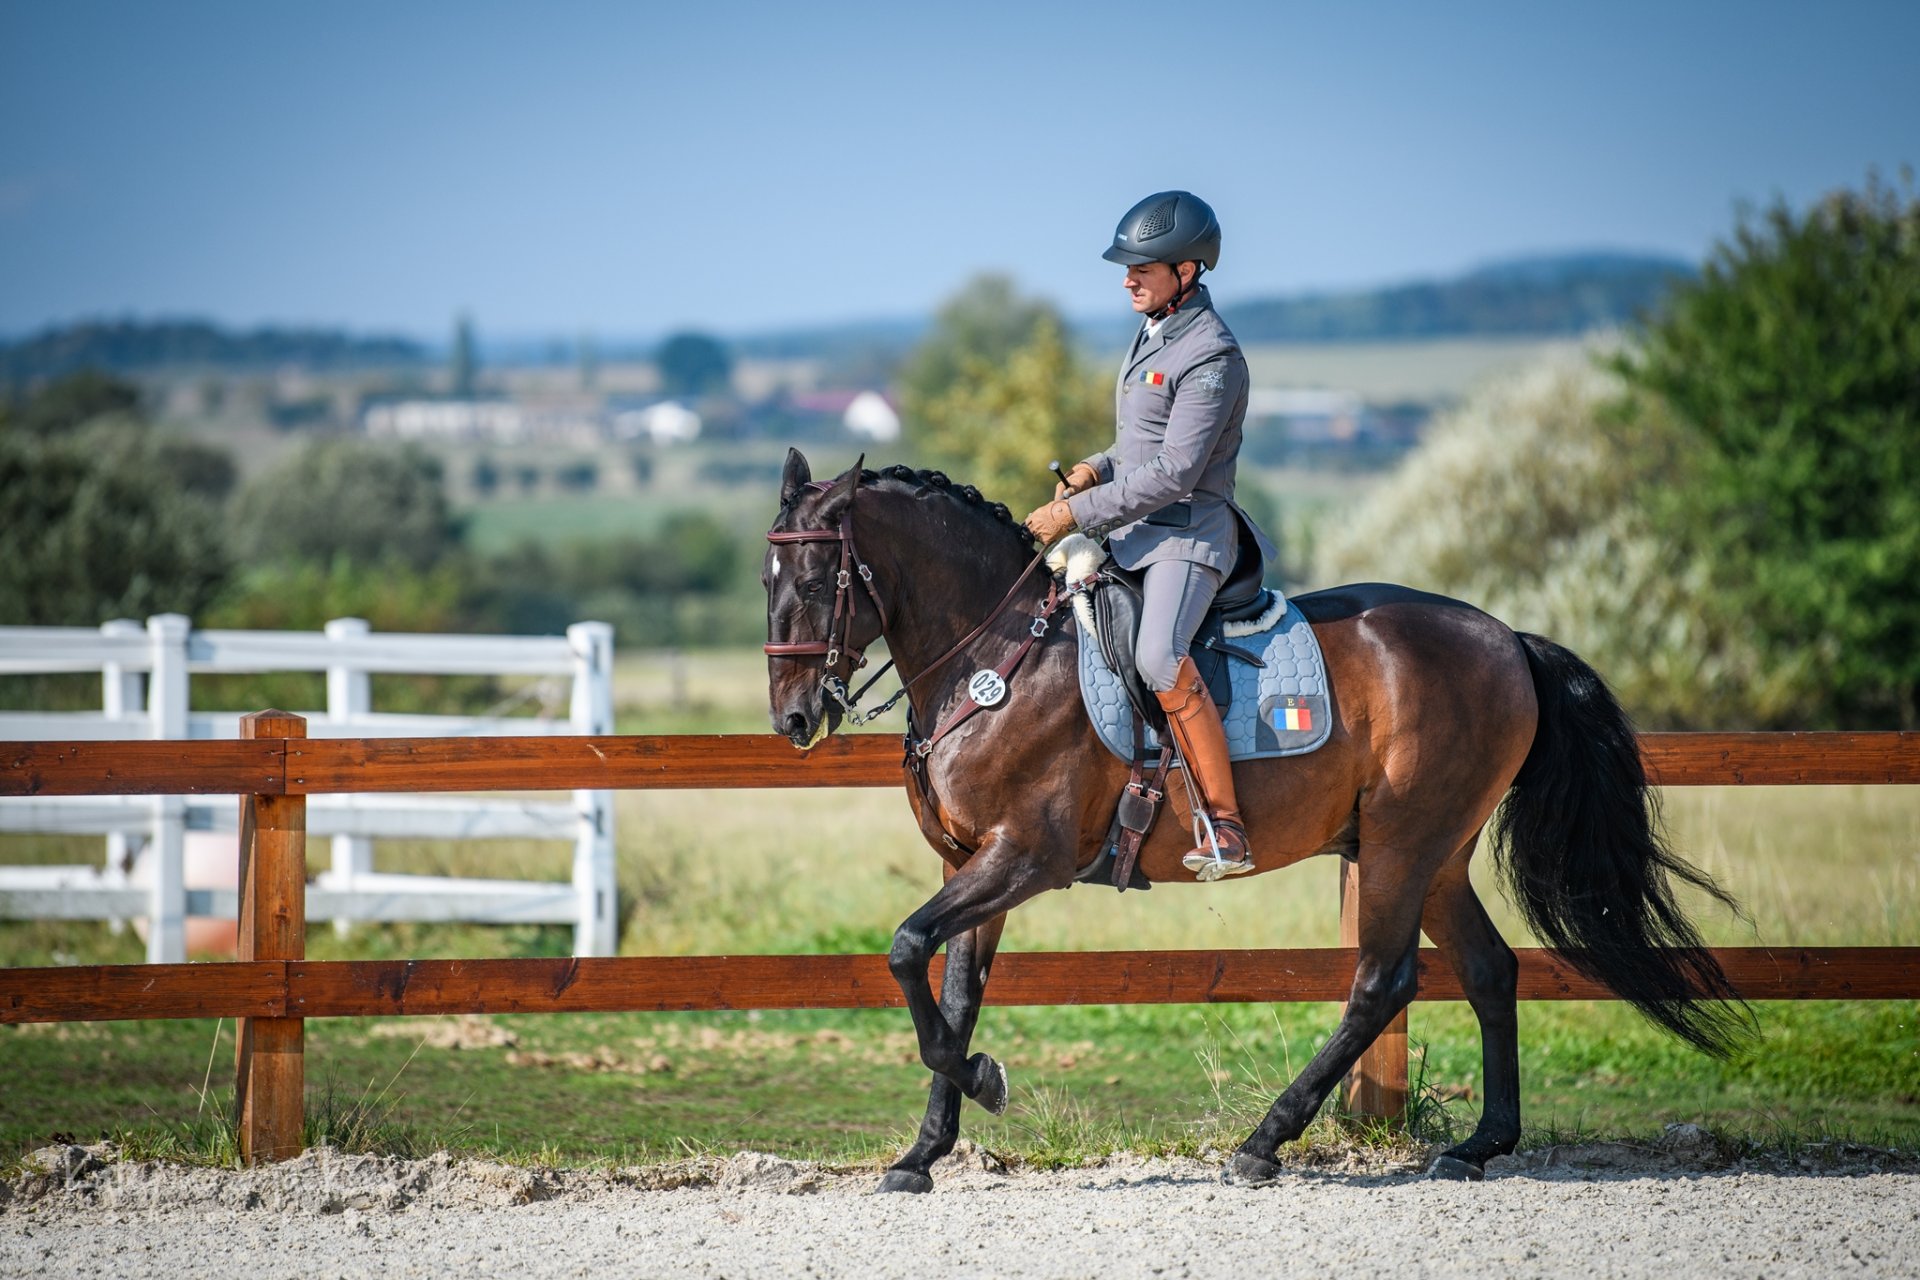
(1206,861)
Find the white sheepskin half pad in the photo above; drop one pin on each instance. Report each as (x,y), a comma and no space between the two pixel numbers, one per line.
(1254,626)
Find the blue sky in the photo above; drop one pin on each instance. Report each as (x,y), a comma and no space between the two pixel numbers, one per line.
(626,169)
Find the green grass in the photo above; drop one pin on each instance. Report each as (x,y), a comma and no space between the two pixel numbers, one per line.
(832,871)
(504,523)
(678,483)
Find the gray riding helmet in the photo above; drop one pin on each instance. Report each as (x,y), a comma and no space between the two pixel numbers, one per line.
(1168,226)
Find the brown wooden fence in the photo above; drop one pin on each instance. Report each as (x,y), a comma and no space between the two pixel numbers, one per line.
(272,989)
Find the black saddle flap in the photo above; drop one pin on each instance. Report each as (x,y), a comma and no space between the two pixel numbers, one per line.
(1116,618)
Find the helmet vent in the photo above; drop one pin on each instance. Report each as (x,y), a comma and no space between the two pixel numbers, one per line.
(1159,220)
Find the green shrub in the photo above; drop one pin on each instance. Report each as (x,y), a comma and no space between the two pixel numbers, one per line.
(996,392)
(103,522)
(335,498)
(1793,370)
(1529,501)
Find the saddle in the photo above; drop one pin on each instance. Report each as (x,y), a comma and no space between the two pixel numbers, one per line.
(1116,625)
(1107,600)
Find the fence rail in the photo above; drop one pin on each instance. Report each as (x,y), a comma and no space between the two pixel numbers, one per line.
(668,984)
(273,988)
(310,766)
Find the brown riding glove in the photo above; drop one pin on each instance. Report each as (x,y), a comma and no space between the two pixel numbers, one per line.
(1080,478)
(1051,522)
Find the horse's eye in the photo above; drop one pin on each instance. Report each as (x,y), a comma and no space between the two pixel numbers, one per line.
(813,586)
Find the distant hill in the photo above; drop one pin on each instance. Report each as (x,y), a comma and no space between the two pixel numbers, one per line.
(135,346)
(1535,296)
(896,336)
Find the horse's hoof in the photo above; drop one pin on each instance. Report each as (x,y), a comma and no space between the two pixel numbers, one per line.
(990,1089)
(1454,1169)
(1244,1170)
(904,1180)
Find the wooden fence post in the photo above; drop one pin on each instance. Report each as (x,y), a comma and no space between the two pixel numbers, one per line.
(270,1092)
(1377,1085)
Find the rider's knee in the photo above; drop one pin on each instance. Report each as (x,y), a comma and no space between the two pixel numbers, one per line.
(1156,662)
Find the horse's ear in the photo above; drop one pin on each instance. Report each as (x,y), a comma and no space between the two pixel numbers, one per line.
(841,494)
(794,477)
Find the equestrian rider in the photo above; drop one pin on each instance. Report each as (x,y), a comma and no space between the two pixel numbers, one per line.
(1162,495)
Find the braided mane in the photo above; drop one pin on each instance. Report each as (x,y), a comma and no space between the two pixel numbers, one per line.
(925,481)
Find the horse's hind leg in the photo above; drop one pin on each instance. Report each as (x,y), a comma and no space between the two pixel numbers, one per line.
(1384,981)
(1459,927)
(969,957)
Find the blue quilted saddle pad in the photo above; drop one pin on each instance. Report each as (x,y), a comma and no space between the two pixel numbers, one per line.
(1282,709)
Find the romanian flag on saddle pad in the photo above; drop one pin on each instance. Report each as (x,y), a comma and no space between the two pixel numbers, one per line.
(1153,379)
(1293,716)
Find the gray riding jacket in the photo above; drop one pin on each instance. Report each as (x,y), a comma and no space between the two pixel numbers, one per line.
(1166,485)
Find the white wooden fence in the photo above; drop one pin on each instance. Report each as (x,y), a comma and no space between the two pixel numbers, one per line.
(145,675)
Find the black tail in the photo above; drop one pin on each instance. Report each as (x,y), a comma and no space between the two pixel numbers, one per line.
(1580,841)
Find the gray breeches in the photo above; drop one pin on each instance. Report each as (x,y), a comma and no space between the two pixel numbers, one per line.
(1174,599)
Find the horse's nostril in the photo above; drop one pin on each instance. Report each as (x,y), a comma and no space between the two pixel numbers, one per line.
(796,724)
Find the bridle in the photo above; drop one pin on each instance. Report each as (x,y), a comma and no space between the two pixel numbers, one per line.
(843,601)
(840,628)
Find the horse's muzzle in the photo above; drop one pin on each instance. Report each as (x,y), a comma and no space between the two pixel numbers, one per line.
(805,727)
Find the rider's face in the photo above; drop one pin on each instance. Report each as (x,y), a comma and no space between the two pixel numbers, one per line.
(1154,284)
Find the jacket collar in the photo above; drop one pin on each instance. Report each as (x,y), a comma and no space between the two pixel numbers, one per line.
(1176,324)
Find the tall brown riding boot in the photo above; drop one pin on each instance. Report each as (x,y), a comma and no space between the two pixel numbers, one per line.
(1202,740)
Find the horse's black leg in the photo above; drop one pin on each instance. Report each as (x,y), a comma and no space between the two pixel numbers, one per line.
(995,880)
(1459,927)
(1384,981)
(969,957)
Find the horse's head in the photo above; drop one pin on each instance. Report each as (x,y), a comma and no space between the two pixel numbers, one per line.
(821,610)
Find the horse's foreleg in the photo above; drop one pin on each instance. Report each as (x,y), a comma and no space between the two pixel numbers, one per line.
(994,881)
(1384,980)
(969,957)
(1488,972)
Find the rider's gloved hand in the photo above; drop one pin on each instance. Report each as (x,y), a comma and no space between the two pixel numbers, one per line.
(1050,523)
(1080,479)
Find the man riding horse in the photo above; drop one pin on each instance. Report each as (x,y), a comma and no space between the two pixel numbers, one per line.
(1162,495)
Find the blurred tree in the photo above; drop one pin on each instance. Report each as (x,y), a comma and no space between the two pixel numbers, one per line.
(465,367)
(339,498)
(1793,369)
(304,595)
(984,323)
(694,365)
(484,476)
(582,475)
(98,526)
(70,401)
(693,552)
(204,471)
(665,588)
(1531,501)
(1000,421)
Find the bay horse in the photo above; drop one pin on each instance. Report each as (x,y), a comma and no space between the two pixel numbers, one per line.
(1444,719)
